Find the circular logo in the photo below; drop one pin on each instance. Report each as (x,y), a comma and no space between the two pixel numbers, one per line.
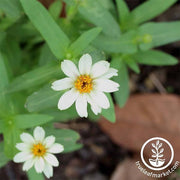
(160,153)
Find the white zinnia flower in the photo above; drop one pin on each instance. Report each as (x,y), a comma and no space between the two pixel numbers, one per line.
(38,151)
(86,85)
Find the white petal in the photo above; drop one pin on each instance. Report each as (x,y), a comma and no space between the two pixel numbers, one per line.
(67,99)
(62,84)
(39,165)
(51,159)
(49,141)
(69,69)
(81,105)
(23,146)
(28,164)
(22,156)
(100,99)
(110,73)
(27,138)
(99,69)
(106,85)
(39,134)
(94,107)
(56,148)
(48,170)
(85,64)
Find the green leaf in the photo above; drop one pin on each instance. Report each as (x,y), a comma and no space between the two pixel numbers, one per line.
(109,5)
(83,41)
(13,52)
(132,64)
(12,8)
(68,148)
(67,138)
(4,80)
(70,2)
(92,116)
(153,57)
(109,114)
(24,121)
(3,73)
(43,99)
(158,34)
(62,116)
(25,32)
(94,12)
(3,160)
(55,9)
(123,10)
(6,23)
(2,37)
(51,32)
(150,9)
(124,44)
(122,95)
(2,126)
(33,175)
(11,136)
(35,77)
(46,55)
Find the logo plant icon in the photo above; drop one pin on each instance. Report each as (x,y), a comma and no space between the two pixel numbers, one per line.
(157,154)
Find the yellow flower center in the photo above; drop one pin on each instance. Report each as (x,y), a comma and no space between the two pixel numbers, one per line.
(38,149)
(84,84)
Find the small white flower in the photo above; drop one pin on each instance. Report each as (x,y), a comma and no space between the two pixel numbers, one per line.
(38,151)
(86,85)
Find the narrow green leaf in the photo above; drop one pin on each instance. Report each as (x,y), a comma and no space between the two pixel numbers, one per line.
(158,34)
(3,159)
(55,9)
(43,99)
(101,17)
(4,80)
(109,5)
(35,77)
(2,37)
(25,32)
(6,104)
(3,72)
(70,2)
(62,116)
(124,44)
(122,95)
(150,9)
(51,32)
(24,121)
(83,41)
(109,114)
(2,126)
(11,136)
(132,64)
(123,10)
(12,8)
(46,55)
(153,57)
(13,52)
(6,23)
(33,175)
(68,138)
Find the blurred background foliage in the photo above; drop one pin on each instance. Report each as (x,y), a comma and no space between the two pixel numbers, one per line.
(34,40)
